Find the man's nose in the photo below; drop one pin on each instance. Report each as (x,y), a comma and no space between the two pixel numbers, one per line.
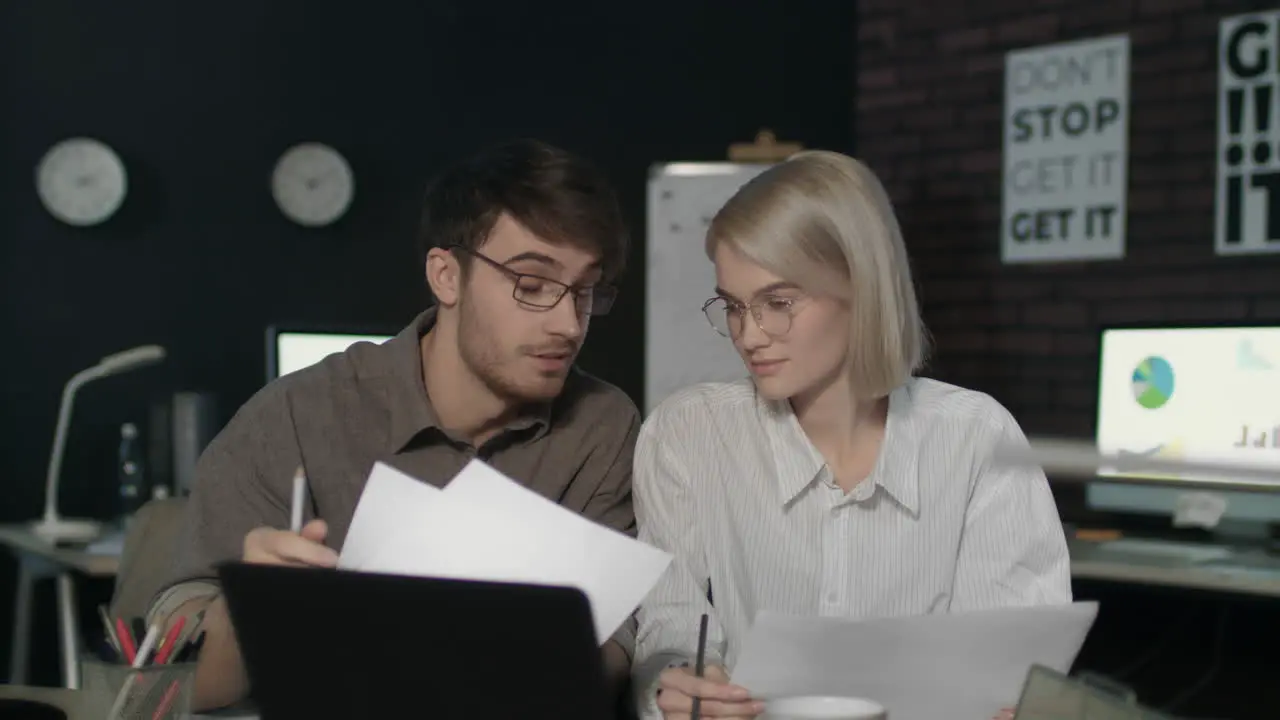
(565,320)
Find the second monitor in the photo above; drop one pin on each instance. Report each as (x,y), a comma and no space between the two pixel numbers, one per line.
(1209,394)
(290,350)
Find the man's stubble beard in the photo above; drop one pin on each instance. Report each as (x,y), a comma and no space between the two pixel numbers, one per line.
(483,357)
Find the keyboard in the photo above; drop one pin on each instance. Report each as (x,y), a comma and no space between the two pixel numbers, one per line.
(1167,549)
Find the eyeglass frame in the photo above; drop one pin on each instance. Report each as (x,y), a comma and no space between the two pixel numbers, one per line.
(596,294)
(756,311)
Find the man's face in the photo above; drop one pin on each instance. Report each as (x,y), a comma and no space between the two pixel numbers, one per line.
(519,351)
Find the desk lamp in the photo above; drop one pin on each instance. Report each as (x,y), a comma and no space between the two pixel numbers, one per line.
(52,527)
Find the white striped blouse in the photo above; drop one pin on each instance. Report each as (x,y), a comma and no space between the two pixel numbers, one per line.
(731,486)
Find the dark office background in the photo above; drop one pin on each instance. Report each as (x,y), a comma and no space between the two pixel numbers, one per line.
(201,101)
(930,100)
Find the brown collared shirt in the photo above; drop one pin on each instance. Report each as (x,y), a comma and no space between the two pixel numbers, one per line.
(368,404)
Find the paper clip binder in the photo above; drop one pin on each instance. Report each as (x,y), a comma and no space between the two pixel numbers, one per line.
(1051,695)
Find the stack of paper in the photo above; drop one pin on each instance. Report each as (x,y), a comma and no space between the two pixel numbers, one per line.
(963,666)
(484,526)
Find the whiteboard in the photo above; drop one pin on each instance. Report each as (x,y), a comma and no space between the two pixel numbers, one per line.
(681,348)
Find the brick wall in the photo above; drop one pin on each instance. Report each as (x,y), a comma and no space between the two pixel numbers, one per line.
(929,122)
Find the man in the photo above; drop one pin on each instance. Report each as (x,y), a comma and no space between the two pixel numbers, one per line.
(521,244)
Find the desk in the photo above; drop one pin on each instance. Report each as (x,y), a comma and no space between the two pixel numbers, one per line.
(68,701)
(1241,571)
(39,560)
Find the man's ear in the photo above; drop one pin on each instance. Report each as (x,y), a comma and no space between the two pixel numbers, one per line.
(444,276)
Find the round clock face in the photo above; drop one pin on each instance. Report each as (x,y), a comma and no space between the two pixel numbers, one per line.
(81,181)
(312,184)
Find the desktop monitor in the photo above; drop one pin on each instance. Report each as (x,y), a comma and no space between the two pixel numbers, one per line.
(290,350)
(1197,393)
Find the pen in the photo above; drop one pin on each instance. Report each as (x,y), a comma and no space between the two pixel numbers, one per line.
(139,660)
(699,666)
(299,494)
(189,633)
(138,628)
(188,653)
(109,628)
(148,644)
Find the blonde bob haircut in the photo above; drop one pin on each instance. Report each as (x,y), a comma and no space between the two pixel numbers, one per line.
(823,221)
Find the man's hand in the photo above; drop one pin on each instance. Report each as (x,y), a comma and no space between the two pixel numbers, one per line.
(679,686)
(268,546)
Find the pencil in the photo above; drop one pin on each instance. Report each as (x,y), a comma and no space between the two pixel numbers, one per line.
(299,495)
(700,665)
(166,647)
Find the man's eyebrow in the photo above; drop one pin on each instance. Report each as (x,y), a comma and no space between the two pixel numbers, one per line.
(771,287)
(550,263)
(531,256)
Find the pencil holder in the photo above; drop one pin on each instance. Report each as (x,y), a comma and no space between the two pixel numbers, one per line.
(113,691)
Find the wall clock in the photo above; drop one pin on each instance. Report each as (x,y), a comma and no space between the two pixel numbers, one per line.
(312,184)
(81,181)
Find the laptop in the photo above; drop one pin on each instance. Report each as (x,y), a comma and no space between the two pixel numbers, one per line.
(337,643)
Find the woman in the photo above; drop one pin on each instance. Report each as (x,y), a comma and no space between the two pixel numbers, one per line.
(832,481)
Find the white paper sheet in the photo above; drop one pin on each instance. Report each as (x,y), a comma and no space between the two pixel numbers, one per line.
(963,666)
(484,526)
(390,499)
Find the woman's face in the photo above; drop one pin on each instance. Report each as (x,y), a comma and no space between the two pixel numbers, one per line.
(793,343)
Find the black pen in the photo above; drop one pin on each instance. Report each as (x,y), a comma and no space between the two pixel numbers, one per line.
(138,626)
(188,653)
(699,667)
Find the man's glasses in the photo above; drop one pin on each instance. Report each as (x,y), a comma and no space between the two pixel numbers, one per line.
(772,315)
(540,293)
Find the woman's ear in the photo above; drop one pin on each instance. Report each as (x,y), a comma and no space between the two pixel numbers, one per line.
(444,276)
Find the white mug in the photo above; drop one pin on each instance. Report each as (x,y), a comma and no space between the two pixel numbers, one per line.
(823,708)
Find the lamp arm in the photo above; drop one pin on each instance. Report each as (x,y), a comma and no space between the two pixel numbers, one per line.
(73,385)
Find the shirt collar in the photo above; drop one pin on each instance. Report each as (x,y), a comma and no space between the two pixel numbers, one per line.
(798,463)
(410,406)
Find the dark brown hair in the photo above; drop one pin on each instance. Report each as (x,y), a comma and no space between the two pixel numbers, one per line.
(557,195)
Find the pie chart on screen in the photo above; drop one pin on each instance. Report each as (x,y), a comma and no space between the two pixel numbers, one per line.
(1153,382)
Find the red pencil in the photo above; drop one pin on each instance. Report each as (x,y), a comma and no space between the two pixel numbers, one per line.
(166,702)
(170,641)
(126,641)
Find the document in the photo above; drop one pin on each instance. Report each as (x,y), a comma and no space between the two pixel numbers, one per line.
(485,526)
(962,666)
(389,500)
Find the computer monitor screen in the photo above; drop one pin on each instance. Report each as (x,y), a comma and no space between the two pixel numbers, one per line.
(1196,393)
(289,350)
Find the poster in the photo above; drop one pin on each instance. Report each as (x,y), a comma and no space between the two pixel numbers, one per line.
(1247,209)
(1066,152)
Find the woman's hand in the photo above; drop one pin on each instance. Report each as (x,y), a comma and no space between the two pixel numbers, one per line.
(718,699)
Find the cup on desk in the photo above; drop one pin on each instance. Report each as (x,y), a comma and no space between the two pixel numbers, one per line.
(823,708)
(113,691)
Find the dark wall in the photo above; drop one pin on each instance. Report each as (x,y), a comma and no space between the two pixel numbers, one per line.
(929,122)
(200,102)
(930,93)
